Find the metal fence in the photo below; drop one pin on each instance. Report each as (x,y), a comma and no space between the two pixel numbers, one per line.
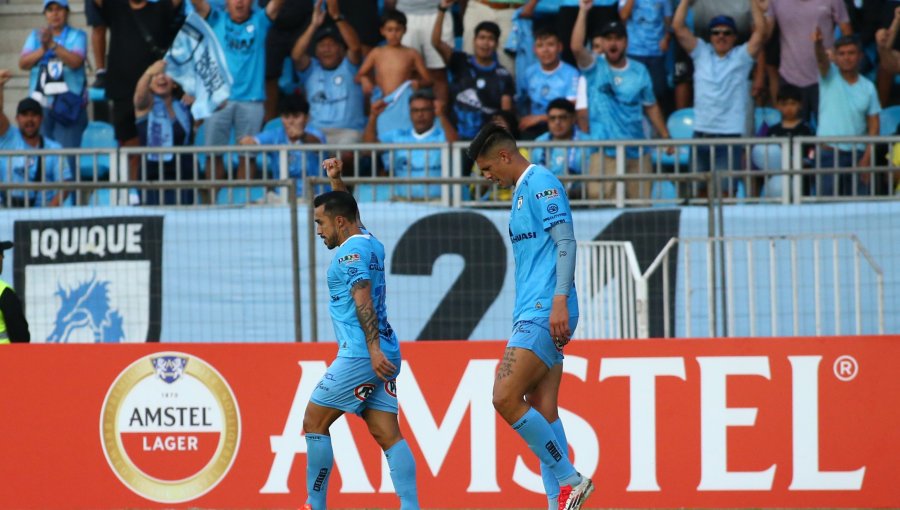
(612,292)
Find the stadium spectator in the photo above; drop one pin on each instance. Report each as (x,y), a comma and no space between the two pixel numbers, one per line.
(797,56)
(55,56)
(287,26)
(395,68)
(140,31)
(547,79)
(602,12)
(620,93)
(335,99)
(848,106)
(429,125)
(420,15)
(888,52)
(163,121)
(768,156)
(561,127)
(13,325)
(479,85)
(648,23)
(291,130)
(27,137)
(498,12)
(722,106)
(241,31)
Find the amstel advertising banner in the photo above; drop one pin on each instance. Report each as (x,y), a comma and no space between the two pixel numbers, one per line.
(808,422)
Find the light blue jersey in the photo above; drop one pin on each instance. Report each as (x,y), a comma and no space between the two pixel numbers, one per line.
(361,257)
(22,169)
(647,26)
(616,101)
(335,100)
(844,108)
(73,40)
(300,163)
(416,163)
(562,160)
(545,86)
(539,203)
(244,45)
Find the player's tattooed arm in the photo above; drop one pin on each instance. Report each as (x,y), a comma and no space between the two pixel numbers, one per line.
(368,319)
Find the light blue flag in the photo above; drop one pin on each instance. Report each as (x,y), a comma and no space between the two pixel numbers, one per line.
(197,63)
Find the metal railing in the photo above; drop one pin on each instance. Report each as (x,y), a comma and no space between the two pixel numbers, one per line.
(728,290)
(612,292)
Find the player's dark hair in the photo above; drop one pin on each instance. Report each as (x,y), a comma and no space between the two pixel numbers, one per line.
(490,27)
(490,136)
(508,120)
(292,103)
(393,15)
(338,203)
(561,103)
(788,92)
(545,32)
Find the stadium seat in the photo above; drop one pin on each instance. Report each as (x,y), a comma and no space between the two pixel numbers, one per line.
(97,135)
(889,118)
(681,126)
(767,115)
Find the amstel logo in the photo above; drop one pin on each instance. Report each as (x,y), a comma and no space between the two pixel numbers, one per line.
(170,427)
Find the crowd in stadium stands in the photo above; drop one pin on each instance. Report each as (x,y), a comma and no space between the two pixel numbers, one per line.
(428,71)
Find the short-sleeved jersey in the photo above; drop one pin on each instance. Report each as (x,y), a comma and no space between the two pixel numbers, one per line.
(476,92)
(539,203)
(647,26)
(73,40)
(21,169)
(361,257)
(844,108)
(244,45)
(545,86)
(721,89)
(416,163)
(300,163)
(335,100)
(616,101)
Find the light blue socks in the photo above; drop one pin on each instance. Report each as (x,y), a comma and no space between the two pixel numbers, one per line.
(403,474)
(541,439)
(551,484)
(319,461)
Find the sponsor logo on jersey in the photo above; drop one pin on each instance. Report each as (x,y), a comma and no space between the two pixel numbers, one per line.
(523,236)
(547,194)
(349,258)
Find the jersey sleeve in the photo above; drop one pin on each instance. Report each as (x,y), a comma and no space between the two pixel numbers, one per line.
(31,43)
(267,137)
(353,266)
(77,43)
(548,200)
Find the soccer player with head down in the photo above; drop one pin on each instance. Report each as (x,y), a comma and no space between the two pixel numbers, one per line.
(362,379)
(526,388)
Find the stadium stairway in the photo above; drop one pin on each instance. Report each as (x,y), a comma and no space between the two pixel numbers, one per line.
(17,19)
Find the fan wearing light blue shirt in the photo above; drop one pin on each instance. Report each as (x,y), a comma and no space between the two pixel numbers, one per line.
(291,130)
(619,94)
(561,128)
(335,100)
(547,80)
(241,30)
(429,125)
(20,169)
(648,24)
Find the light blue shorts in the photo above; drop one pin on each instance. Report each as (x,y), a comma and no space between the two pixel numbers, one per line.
(352,386)
(534,335)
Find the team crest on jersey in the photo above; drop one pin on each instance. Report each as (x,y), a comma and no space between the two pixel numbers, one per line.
(547,193)
(552,208)
(349,258)
(519,202)
(364,391)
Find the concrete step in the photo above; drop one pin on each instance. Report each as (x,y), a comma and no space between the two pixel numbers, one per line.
(30,15)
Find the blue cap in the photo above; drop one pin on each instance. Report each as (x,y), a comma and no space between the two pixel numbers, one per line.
(61,3)
(721,20)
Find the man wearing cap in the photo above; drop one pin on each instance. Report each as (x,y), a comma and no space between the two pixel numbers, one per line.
(55,56)
(13,326)
(335,99)
(619,94)
(721,84)
(429,125)
(27,137)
